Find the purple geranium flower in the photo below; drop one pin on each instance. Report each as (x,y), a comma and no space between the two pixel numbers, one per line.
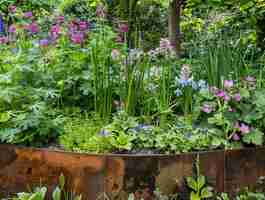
(28,14)
(77,38)
(12,29)
(44,42)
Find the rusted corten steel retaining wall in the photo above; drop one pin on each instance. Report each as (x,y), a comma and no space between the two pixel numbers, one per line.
(113,177)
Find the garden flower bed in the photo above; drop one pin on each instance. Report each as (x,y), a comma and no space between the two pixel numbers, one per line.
(117,176)
(85,96)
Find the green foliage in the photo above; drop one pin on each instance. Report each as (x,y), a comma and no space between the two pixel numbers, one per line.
(39,193)
(83,9)
(198,185)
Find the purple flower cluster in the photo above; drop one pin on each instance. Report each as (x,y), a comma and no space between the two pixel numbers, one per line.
(33,27)
(185,79)
(227,94)
(77,31)
(241,129)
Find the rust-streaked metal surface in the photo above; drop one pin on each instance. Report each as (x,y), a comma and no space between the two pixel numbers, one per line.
(114,177)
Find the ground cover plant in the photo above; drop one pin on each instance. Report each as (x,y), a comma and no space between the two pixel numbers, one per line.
(89,79)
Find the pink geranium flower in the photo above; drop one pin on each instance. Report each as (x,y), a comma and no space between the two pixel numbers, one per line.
(236,137)
(207,108)
(227,98)
(228,84)
(244,128)
(220,93)
(237,97)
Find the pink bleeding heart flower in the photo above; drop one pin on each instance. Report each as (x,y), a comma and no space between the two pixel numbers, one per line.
(3,40)
(115,54)
(12,9)
(228,84)
(119,39)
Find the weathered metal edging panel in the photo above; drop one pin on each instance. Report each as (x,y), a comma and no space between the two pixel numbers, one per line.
(116,176)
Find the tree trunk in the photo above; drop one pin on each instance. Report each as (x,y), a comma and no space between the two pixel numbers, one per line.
(261,33)
(174,25)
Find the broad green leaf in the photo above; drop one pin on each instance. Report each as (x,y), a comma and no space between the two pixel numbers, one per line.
(254,137)
(4,117)
(56,195)
(192,183)
(200,182)
(206,193)
(61,181)
(194,196)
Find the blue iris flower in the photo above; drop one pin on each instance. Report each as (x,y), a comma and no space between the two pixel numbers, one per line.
(2,26)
